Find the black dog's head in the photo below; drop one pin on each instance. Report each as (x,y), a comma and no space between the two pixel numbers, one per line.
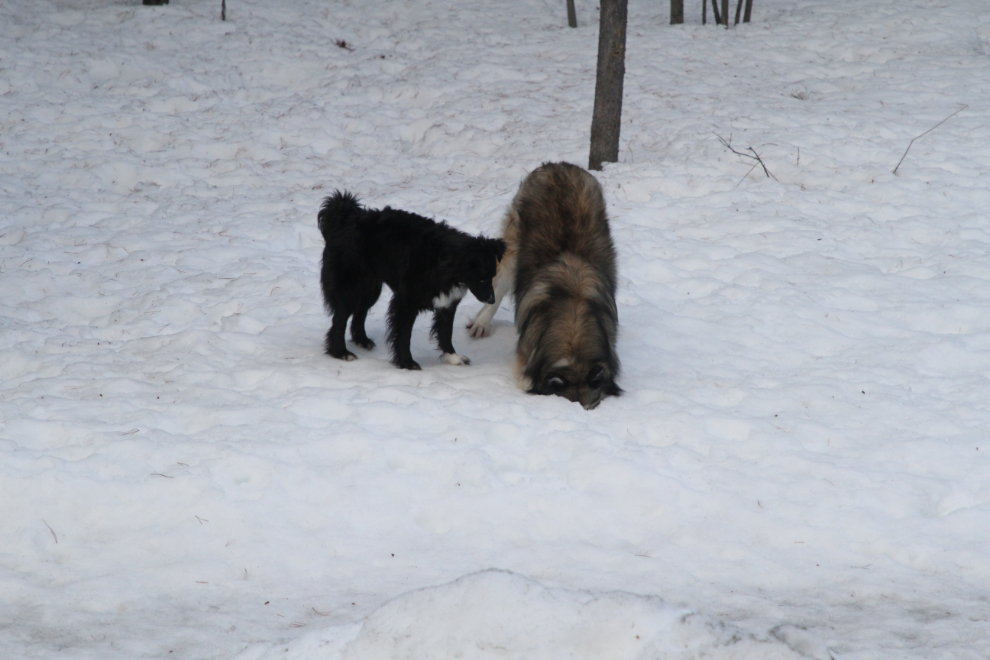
(477,264)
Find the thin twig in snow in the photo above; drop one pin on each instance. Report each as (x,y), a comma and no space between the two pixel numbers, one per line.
(762,164)
(746,174)
(755,156)
(926,133)
(50,530)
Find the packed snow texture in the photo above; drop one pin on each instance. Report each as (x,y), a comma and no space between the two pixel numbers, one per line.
(500,615)
(798,467)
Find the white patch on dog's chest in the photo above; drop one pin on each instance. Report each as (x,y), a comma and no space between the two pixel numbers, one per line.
(449,298)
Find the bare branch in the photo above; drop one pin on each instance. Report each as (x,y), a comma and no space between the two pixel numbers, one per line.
(728,145)
(926,133)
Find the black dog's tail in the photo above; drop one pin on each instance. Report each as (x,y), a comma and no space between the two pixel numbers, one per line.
(338,211)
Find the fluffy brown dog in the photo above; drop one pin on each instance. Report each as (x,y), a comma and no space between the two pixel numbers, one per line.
(560,264)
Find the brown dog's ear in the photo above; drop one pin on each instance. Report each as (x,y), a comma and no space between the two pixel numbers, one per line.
(599,378)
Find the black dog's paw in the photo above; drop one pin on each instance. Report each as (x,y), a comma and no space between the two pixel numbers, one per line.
(342,354)
(365,343)
(410,364)
(454,358)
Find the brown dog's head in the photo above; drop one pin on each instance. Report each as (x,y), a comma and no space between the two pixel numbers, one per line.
(585,382)
(567,328)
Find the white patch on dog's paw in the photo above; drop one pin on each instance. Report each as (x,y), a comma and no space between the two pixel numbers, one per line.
(454,358)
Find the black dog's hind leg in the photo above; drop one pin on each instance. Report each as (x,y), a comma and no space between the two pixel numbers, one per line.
(358,334)
(442,332)
(335,336)
(401,318)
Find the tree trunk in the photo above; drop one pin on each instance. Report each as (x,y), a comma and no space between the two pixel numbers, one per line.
(572,14)
(676,12)
(608,84)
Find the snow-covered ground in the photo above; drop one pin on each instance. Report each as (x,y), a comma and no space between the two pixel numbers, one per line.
(800,466)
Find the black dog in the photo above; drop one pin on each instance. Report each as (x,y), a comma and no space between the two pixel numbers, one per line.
(427,264)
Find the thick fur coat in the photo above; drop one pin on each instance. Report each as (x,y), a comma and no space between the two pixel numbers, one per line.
(428,265)
(560,265)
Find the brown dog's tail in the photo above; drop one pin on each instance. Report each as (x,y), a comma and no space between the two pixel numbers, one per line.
(338,211)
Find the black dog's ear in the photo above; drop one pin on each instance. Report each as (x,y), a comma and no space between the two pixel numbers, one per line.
(499,246)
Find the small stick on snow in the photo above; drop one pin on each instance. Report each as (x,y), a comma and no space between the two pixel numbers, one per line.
(746,174)
(50,530)
(760,161)
(755,156)
(926,133)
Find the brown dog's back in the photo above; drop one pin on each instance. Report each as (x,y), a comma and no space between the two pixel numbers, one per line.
(565,278)
(559,210)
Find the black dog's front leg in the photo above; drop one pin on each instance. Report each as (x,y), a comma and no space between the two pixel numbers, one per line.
(401,318)
(443,331)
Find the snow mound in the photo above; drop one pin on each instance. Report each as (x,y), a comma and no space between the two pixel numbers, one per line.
(499,614)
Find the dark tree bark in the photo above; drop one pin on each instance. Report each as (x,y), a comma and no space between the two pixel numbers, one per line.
(607,116)
(715,13)
(571,14)
(676,12)
(749,10)
(725,12)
